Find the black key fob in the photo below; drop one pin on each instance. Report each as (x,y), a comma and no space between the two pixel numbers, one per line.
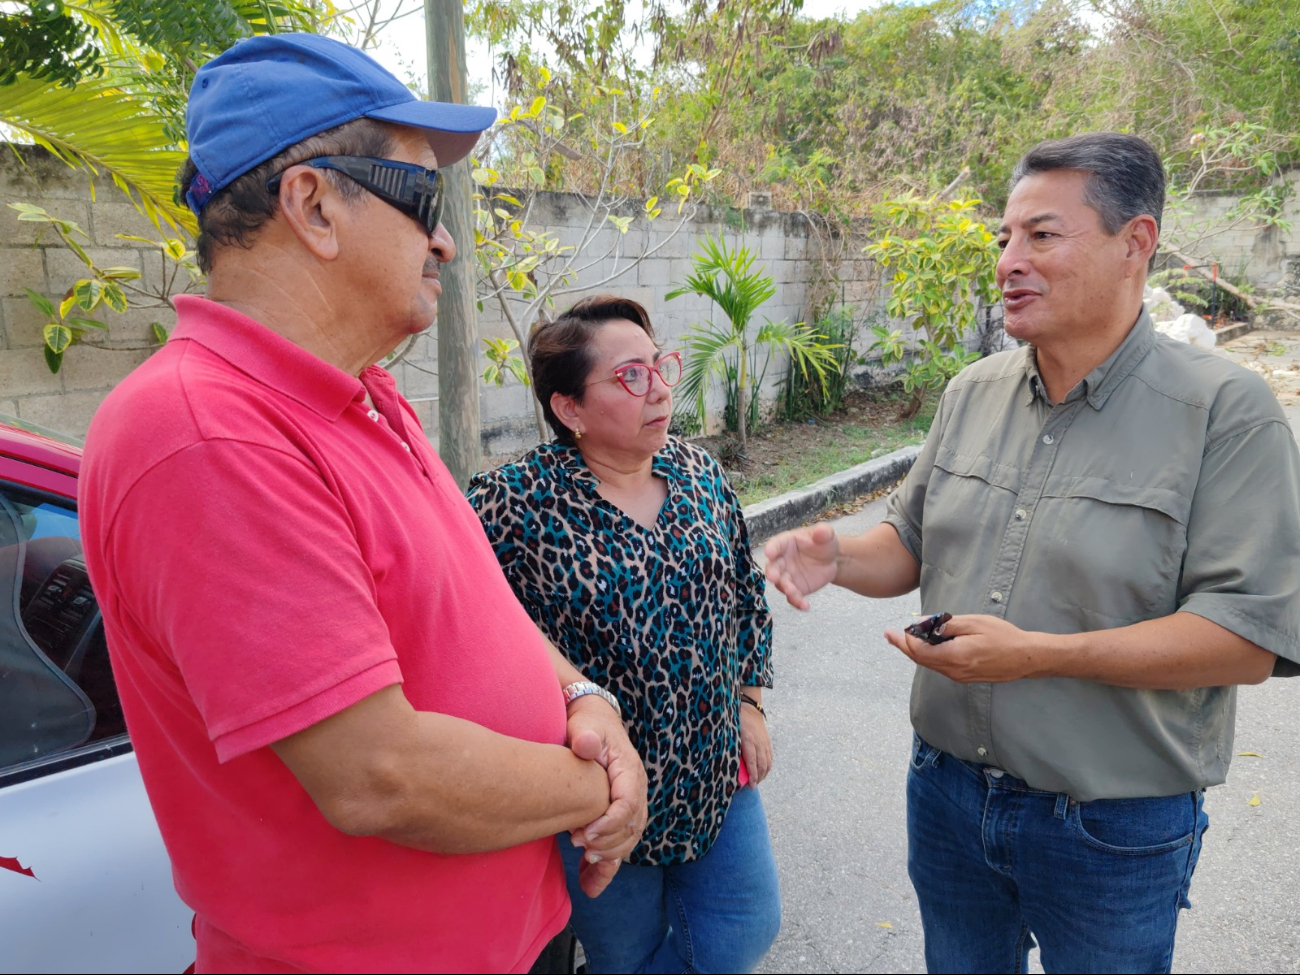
(930,629)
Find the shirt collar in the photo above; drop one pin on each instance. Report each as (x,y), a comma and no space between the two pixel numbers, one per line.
(266,356)
(1103,380)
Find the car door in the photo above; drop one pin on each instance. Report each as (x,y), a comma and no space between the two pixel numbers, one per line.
(85,883)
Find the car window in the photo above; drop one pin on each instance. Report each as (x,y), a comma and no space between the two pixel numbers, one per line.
(56,688)
(51,521)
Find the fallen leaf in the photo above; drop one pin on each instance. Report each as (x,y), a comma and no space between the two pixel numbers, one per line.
(884,924)
(1250,754)
(1253,800)
(11,863)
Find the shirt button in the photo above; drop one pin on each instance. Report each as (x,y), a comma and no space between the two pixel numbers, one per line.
(406,446)
(996,596)
(1048,438)
(1021,514)
(374,415)
(981,751)
(995,773)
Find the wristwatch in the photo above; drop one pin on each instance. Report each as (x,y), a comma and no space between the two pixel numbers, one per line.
(581,688)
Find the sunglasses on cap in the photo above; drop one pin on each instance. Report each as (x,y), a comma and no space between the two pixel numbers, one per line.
(416,191)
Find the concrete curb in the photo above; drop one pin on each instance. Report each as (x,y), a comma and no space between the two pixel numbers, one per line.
(793,508)
(1230,332)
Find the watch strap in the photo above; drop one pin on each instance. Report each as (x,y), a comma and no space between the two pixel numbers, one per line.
(581,688)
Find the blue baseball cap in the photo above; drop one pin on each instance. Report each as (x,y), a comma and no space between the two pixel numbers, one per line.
(270,92)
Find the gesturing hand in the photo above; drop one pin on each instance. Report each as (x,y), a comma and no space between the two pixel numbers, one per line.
(596,734)
(800,562)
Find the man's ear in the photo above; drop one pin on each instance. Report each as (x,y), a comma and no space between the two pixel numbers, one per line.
(565,409)
(1142,238)
(310,205)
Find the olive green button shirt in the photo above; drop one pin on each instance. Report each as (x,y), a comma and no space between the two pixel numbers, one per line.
(1167,481)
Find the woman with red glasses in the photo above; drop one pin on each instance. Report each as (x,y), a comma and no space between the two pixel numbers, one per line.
(628,548)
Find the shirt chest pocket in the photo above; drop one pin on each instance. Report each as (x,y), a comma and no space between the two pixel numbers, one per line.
(1112,548)
(969,502)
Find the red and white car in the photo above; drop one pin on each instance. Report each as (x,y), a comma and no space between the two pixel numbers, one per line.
(85,883)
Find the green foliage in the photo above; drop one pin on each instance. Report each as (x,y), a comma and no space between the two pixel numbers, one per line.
(182,27)
(111,289)
(40,40)
(125,119)
(102,85)
(943,264)
(802,398)
(728,277)
(556,140)
(100,128)
(1241,157)
(503,362)
(1233,59)
(1199,296)
(811,181)
(835,114)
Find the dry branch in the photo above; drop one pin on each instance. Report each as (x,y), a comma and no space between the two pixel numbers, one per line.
(1256,304)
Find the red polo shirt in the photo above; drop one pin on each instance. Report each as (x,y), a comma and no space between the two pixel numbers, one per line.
(267,551)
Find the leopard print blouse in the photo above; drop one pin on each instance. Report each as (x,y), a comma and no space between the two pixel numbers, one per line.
(672,620)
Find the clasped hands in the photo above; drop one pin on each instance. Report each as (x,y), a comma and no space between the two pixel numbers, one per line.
(984,648)
(595,733)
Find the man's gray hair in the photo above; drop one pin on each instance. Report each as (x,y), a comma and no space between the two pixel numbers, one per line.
(234,215)
(1125,177)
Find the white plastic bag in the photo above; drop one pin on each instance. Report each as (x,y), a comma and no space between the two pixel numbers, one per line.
(1192,329)
(1162,307)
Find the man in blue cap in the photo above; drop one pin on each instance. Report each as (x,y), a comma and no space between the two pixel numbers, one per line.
(353,737)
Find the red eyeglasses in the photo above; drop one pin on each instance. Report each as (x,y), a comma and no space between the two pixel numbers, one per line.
(635,376)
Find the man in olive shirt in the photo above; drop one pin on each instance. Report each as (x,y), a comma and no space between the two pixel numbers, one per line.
(1113,518)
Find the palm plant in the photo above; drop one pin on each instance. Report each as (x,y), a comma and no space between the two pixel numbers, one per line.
(102,84)
(115,105)
(728,277)
(99,127)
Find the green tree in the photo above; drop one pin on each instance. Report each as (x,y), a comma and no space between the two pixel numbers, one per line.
(523,267)
(942,260)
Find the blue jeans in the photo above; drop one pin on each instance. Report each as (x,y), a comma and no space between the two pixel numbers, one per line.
(997,864)
(719,913)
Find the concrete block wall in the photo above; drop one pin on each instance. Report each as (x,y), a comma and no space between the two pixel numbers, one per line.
(779,239)
(32,257)
(1266,257)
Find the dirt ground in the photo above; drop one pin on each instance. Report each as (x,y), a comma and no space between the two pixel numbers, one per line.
(781,443)
(1275,356)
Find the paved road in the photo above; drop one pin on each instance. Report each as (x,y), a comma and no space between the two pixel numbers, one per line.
(835,803)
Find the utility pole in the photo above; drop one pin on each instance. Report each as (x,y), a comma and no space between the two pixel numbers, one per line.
(457,324)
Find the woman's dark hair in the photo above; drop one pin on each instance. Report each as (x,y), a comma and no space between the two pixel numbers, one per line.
(559,351)
(1124,174)
(237,212)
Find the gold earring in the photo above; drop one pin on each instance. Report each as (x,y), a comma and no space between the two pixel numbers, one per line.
(577,434)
